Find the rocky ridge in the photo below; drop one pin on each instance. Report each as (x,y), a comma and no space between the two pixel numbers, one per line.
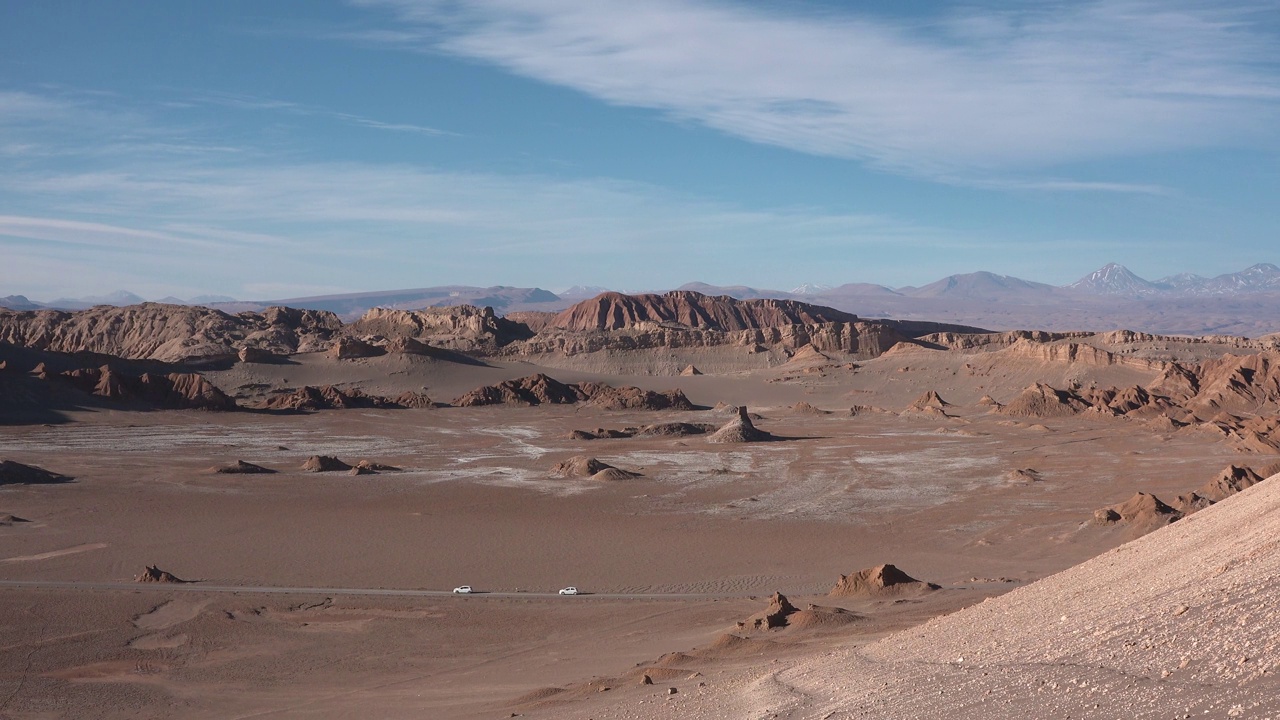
(541,389)
(684,309)
(168,333)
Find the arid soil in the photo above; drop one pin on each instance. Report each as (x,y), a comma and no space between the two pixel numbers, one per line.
(979,463)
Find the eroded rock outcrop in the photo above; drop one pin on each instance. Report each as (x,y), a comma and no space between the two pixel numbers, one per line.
(326,397)
(541,389)
(581,466)
(169,333)
(691,310)
(1248,383)
(1041,401)
(536,389)
(740,430)
(864,339)
(607,397)
(324,463)
(240,467)
(774,616)
(348,348)
(16,473)
(878,582)
(668,429)
(1144,511)
(462,328)
(174,391)
(1231,480)
(153,574)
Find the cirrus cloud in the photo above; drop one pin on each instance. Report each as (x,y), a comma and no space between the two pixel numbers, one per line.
(967,96)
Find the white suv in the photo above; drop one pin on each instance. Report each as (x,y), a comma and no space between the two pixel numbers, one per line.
(571,590)
(462,590)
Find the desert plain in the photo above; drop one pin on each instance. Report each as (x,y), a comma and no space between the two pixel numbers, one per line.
(1012,476)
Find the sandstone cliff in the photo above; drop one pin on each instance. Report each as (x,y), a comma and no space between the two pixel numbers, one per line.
(463,328)
(687,309)
(863,339)
(169,333)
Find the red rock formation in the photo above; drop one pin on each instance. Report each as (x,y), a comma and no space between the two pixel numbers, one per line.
(324,463)
(241,467)
(774,616)
(1041,400)
(687,309)
(174,391)
(633,398)
(581,466)
(1238,383)
(994,341)
(16,473)
(540,389)
(879,581)
(171,333)
(533,319)
(461,327)
(740,430)
(184,391)
(931,399)
(1231,480)
(1145,512)
(348,348)
(328,397)
(413,400)
(153,574)
(864,339)
(533,390)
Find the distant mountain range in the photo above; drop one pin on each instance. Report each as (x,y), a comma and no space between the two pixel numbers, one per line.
(118,298)
(1111,280)
(1245,302)
(1116,279)
(348,305)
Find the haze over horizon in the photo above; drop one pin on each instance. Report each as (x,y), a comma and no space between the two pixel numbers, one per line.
(319,148)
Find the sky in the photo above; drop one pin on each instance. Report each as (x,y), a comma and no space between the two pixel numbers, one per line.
(306,147)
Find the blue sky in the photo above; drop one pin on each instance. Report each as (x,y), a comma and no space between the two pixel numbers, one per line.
(267,150)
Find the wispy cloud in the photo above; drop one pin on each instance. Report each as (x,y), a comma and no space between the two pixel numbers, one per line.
(64,123)
(88,234)
(361,226)
(957,96)
(247,102)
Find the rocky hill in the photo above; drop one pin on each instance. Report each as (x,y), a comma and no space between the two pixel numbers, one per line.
(862,339)
(462,327)
(169,333)
(686,309)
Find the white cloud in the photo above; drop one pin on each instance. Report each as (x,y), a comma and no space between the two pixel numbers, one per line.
(967,94)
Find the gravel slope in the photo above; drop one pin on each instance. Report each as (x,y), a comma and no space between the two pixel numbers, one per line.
(1184,622)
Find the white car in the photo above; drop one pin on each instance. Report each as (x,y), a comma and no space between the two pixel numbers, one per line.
(462,590)
(571,590)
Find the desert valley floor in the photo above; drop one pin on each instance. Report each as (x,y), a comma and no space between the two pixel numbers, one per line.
(327,594)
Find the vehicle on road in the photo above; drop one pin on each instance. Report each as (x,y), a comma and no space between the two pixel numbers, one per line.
(462,590)
(571,590)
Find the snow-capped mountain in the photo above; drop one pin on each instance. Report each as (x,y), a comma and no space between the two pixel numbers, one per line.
(582,292)
(1114,279)
(810,289)
(1263,277)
